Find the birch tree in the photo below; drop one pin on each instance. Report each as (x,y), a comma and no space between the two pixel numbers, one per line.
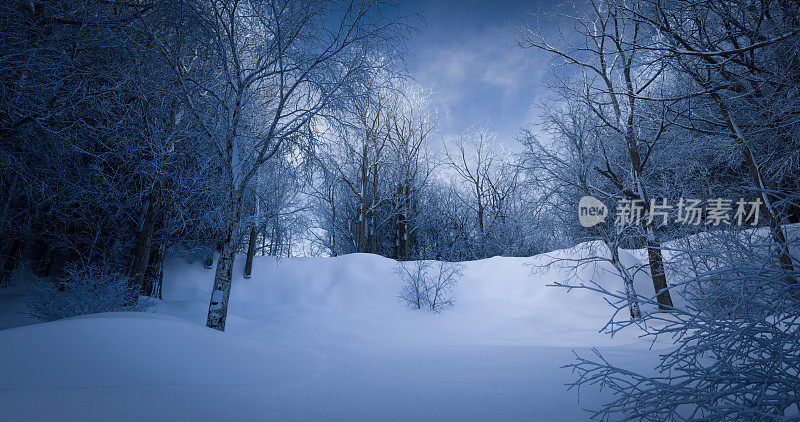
(356,156)
(615,73)
(410,128)
(285,63)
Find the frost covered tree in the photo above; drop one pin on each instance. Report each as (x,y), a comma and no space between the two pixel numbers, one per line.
(475,172)
(88,135)
(133,130)
(735,337)
(354,157)
(732,119)
(488,185)
(564,170)
(616,78)
(410,168)
(741,62)
(286,64)
(372,123)
(374,174)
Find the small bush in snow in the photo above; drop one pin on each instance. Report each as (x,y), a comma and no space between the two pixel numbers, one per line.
(428,285)
(79,292)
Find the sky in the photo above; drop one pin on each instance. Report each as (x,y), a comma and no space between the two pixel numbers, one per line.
(466,56)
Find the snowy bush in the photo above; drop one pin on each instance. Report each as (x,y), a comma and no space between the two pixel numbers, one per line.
(736,353)
(427,284)
(80,291)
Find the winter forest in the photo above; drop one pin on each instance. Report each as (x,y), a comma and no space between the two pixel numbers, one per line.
(361,210)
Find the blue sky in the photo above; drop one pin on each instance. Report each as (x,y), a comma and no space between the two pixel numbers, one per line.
(467,56)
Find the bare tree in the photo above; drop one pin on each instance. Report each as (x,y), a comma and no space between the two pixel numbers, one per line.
(282,62)
(104,119)
(564,170)
(737,58)
(491,180)
(440,287)
(472,161)
(356,156)
(410,127)
(612,58)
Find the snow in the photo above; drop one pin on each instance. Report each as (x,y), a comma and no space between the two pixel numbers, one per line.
(326,339)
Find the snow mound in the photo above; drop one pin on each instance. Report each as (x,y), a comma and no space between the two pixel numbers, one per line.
(327,339)
(354,298)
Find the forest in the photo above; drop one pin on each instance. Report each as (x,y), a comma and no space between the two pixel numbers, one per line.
(218,132)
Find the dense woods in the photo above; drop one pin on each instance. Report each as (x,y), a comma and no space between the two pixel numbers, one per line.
(137,130)
(132,130)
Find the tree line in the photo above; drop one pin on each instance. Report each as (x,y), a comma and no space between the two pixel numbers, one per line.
(132,130)
(135,130)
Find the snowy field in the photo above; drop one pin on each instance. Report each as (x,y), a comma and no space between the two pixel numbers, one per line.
(322,339)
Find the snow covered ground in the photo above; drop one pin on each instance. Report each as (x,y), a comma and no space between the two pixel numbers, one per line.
(322,339)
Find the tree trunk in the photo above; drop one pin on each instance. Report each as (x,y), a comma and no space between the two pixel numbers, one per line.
(141,251)
(274,241)
(630,290)
(407,224)
(46,265)
(251,251)
(12,260)
(402,228)
(218,306)
(482,233)
(398,223)
(655,259)
(657,271)
(362,212)
(332,201)
(154,276)
(758,182)
(373,229)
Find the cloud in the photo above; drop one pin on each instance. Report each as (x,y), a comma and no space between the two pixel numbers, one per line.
(479,77)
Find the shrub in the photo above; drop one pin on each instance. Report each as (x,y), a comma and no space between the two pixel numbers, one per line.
(81,291)
(427,284)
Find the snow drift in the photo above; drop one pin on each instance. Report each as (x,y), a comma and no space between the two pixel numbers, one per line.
(324,339)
